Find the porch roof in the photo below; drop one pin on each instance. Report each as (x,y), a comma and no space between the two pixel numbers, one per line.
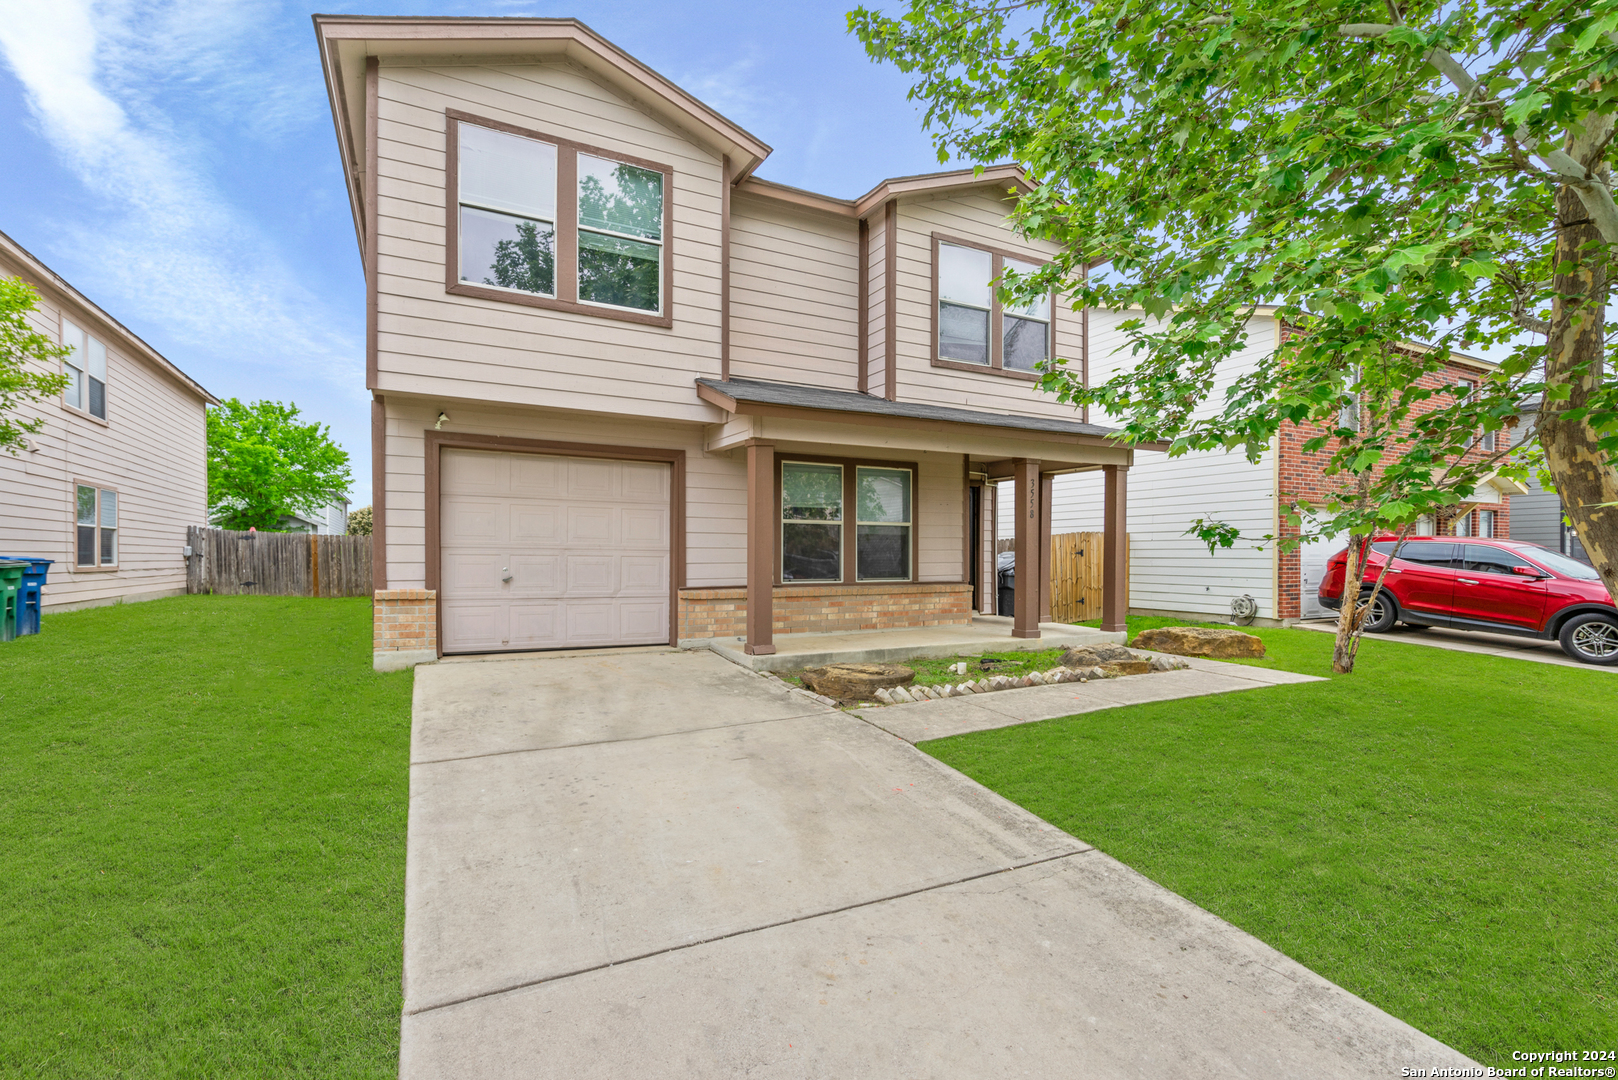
(756,397)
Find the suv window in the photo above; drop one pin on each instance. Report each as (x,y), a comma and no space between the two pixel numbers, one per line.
(1426,552)
(1491,560)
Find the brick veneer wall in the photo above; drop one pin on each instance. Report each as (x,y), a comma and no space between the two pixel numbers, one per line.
(706,613)
(1301,477)
(404,621)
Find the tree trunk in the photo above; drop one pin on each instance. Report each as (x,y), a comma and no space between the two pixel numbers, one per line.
(1575,356)
(1348,619)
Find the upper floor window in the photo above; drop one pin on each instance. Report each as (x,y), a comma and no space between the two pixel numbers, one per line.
(972,326)
(546,222)
(86,369)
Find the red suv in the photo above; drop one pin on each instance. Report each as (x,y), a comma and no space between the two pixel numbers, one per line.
(1501,586)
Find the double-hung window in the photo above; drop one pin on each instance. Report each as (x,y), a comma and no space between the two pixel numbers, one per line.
(85,366)
(973,327)
(546,222)
(817,545)
(96,526)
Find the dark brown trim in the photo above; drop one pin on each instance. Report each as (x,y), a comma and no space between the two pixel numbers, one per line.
(761,543)
(849,522)
(864,315)
(1084,346)
(724,266)
(796,197)
(1025,531)
(890,301)
(437,441)
(966,517)
(379,493)
(1045,493)
(368,251)
(1114,549)
(996,365)
(567,221)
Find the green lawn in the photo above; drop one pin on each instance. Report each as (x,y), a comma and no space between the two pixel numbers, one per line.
(203,807)
(1435,832)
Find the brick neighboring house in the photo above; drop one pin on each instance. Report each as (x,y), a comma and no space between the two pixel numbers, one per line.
(1174,574)
(625,392)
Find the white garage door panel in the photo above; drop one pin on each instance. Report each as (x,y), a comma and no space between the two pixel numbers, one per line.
(585,543)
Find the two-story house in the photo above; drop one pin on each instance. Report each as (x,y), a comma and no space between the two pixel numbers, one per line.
(625,392)
(106,489)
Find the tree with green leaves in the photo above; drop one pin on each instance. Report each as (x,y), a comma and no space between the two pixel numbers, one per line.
(1383,173)
(30,365)
(263,463)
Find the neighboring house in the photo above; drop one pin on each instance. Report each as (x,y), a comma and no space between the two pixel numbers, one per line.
(331,520)
(1538,516)
(626,393)
(1174,574)
(107,488)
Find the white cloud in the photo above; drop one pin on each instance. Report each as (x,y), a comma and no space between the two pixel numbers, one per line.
(161,233)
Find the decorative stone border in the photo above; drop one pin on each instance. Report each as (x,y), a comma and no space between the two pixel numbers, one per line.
(903,695)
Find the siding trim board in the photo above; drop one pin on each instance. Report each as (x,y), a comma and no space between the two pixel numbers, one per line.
(379,493)
(567,220)
(368,222)
(435,442)
(863,329)
(890,300)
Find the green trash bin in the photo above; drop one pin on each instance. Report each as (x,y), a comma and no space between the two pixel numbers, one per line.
(10,597)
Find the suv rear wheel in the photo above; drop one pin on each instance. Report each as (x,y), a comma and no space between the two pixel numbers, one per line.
(1591,638)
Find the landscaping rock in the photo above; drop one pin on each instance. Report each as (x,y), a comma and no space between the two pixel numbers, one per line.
(1128,667)
(1096,655)
(855,682)
(1213,642)
(1166,663)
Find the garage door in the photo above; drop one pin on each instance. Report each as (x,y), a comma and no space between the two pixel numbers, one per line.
(543,552)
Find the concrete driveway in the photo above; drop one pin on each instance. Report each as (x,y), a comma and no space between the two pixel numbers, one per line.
(658,864)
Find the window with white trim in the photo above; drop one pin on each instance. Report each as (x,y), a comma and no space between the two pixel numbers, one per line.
(85,366)
(96,526)
(1486,523)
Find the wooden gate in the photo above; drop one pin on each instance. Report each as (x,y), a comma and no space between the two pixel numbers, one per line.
(231,563)
(1076,573)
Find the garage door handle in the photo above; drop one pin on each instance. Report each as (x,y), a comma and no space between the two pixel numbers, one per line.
(507,572)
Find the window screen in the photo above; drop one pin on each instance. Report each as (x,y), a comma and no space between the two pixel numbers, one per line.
(507,210)
(882,528)
(620,234)
(1025,331)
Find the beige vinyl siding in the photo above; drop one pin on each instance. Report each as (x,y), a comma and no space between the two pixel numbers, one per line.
(152,452)
(973,215)
(1170,571)
(876,304)
(716,485)
(794,304)
(434,343)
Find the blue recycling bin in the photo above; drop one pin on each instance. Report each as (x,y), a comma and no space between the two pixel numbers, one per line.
(31,596)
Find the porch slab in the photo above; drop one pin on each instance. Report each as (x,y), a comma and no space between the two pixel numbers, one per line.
(986,633)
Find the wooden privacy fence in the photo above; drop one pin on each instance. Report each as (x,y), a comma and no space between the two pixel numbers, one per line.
(231,563)
(1076,571)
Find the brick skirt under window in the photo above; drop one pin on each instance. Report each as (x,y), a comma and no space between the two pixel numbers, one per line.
(707,613)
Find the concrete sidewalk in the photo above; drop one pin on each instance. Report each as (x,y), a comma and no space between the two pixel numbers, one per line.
(662,864)
(921,720)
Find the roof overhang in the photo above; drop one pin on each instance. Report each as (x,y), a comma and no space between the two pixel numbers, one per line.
(129,341)
(347,42)
(747,397)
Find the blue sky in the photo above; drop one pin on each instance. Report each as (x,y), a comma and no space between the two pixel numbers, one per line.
(174,160)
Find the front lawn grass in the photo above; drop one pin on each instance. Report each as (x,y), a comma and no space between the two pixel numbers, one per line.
(203,806)
(1434,832)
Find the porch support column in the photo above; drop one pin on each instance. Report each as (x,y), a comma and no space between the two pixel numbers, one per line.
(760,548)
(1115,550)
(1045,548)
(1025,531)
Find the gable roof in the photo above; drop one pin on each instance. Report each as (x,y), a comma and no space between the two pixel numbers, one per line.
(128,340)
(1002,176)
